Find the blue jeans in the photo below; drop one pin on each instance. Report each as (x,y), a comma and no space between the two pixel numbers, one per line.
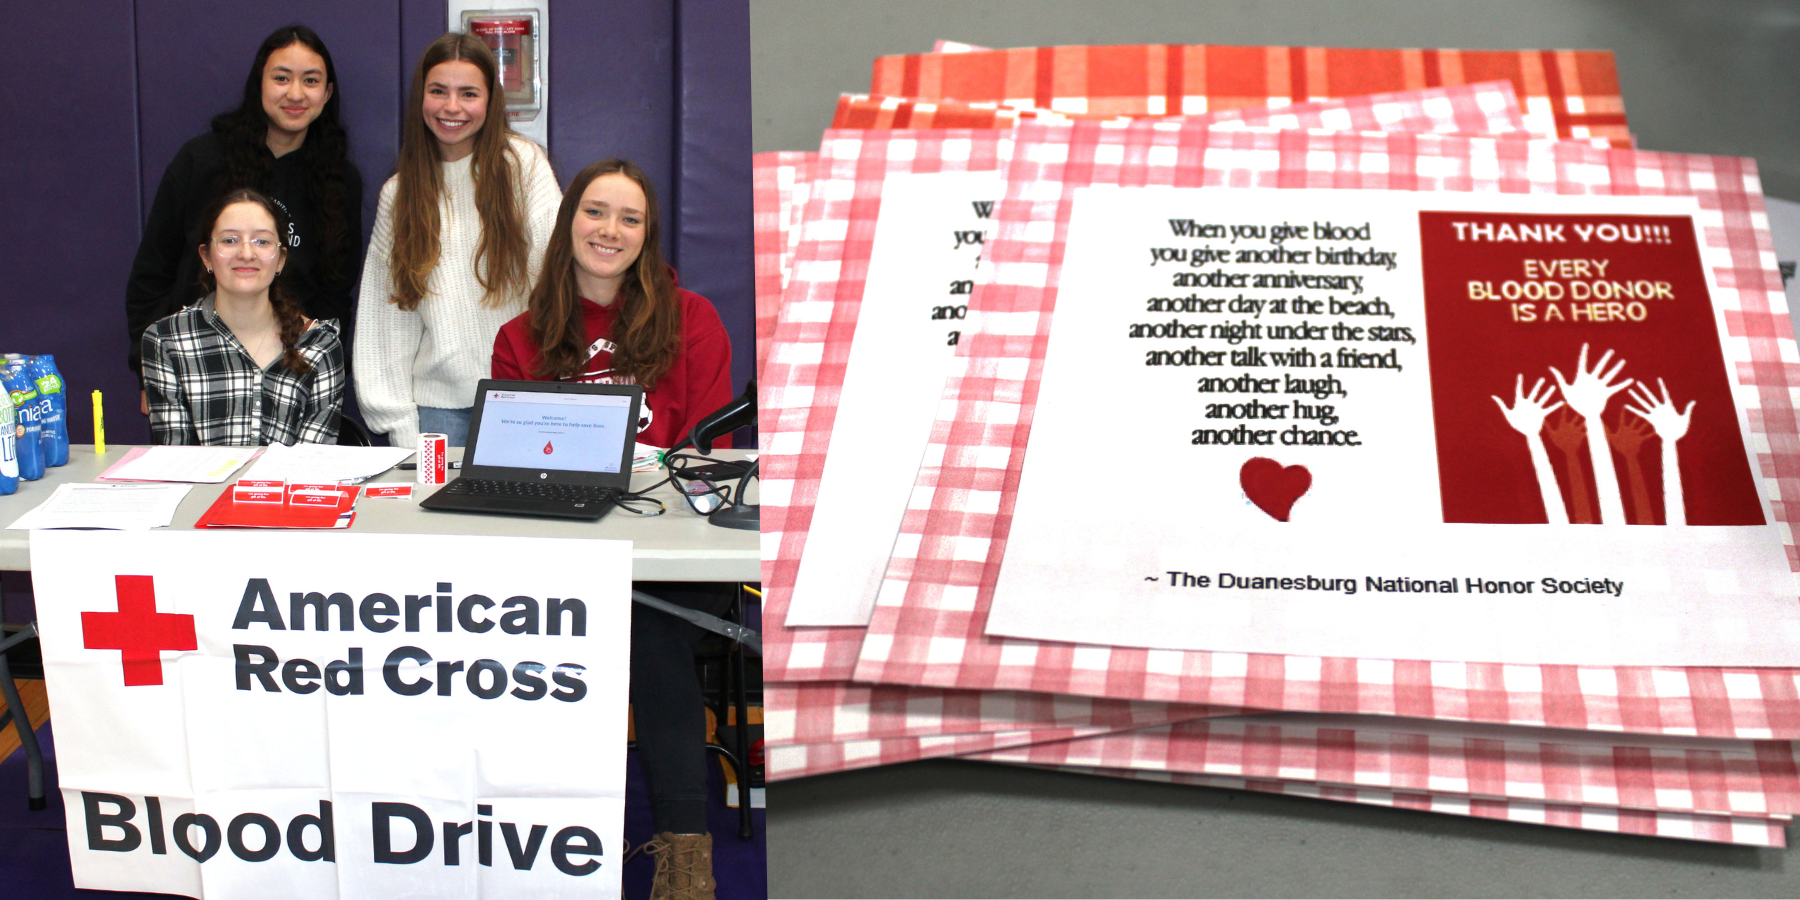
(453,423)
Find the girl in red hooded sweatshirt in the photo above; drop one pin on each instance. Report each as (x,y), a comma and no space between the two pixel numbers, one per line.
(607,309)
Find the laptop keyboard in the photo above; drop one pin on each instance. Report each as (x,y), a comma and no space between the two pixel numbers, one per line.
(482,487)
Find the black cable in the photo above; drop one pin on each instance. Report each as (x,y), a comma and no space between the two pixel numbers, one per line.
(679,464)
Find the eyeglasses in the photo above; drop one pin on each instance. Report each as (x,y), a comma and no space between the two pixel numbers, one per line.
(260,247)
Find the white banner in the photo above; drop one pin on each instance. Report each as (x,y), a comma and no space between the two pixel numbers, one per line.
(338,716)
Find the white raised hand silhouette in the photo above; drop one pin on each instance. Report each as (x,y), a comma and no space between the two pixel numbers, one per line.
(1670,426)
(1526,416)
(1588,395)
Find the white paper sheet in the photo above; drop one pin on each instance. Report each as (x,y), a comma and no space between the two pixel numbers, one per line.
(915,300)
(112,506)
(197,465)
(326,463)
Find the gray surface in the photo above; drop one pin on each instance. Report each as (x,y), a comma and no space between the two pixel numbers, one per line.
(1696,77)
(676,546)
(963,829)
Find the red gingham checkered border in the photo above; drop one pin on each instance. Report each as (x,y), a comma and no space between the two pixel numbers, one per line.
(801,760)
(1744,830)
(1566,93)
(797,401)
(930,615)
(1703,775)
(1520,781)
(1485,108)
(829,711)
(773,180)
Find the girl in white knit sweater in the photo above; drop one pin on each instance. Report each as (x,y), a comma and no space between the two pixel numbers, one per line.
(459,237)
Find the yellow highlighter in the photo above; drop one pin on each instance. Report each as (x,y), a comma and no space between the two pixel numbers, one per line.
(99,427)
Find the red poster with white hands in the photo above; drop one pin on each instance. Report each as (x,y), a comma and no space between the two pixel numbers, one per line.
(1542,325)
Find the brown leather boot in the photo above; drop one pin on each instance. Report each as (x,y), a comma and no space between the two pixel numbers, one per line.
(683,867)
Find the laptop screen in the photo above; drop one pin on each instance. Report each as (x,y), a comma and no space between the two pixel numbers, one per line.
(547,430)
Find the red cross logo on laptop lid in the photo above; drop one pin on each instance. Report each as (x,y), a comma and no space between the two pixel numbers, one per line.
(137,630)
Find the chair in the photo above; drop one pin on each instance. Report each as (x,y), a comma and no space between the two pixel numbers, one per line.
(34,755)
(351,433)
(735,692)
(732,689)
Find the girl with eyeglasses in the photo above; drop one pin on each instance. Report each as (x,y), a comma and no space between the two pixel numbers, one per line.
(459,237)
(244,366)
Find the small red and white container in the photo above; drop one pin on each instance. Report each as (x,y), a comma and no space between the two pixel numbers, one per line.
(433,469)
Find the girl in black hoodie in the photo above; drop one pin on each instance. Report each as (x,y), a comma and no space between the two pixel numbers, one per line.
(286,141)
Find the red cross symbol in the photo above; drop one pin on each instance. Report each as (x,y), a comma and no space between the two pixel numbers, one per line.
(137,630)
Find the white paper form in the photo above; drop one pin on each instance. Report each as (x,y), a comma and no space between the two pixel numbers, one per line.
(123,507)
(326,463)
(1306,508)
(196,465)
(914,307)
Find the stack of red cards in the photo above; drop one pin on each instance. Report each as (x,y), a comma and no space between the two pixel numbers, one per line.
(1375,425)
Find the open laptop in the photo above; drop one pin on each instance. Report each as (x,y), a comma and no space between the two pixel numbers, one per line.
(546,448)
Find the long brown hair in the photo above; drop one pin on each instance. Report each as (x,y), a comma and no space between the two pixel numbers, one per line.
(287,309)
(501,252)
(646,333)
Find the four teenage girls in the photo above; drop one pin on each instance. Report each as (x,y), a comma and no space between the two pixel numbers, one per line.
(240,340)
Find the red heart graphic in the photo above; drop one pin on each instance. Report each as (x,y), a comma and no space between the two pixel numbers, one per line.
(1272,487)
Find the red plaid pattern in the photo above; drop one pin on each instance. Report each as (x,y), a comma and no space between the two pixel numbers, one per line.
(797,401)
(1566,93)
(801,760)
(1486,108)
(774,178)
(1745,830)
(1737,778)
(829,711)
(929,618)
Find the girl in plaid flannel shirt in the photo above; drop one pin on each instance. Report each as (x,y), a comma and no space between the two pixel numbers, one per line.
(243,367)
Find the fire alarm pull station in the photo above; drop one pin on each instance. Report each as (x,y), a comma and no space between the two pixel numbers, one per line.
(516,35)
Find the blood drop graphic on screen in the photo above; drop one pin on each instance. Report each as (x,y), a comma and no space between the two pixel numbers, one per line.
(549,448)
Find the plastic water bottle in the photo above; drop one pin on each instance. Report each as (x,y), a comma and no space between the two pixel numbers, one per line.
(28,434)
(54,418)
(9,454)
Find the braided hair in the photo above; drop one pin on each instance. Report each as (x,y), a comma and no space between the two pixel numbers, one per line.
(287,310)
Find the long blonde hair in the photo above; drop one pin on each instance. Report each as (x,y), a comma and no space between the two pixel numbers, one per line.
(502,250)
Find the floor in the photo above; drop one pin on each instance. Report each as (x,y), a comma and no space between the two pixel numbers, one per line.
(34,850)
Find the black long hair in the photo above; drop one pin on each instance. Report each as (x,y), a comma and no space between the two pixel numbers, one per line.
(244,132)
